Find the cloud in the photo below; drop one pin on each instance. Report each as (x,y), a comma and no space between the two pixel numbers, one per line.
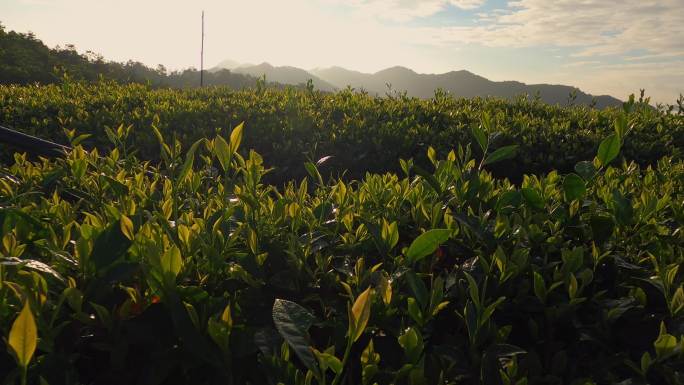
(406,10)
(594,27)
(467,4)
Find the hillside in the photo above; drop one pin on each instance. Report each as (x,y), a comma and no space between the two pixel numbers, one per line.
(25,59)
(459,83)
(284,75)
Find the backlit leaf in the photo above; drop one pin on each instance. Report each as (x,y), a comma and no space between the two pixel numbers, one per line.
(426,244)
(502,153)
(23,336)
(236,138)
(361,312)
(189,160)
(608,149)
(222,151)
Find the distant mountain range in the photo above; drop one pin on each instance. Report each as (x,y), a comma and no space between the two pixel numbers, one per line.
(458,83)
(282,75)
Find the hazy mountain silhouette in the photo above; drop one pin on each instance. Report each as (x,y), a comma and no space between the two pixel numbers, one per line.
(283,75)
(458,83)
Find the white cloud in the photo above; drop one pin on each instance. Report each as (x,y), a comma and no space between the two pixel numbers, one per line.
(467,4)
(405,10)
(595,27)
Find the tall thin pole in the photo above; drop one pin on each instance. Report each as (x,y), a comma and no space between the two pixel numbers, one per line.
(202,55)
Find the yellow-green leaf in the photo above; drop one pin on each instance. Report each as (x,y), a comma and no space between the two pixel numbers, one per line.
(236,138)
(223,153)
(127,227)
(23,336)
(226,317)
(171,262)
(361,313)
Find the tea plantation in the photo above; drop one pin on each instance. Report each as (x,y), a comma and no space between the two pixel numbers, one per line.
(338,239)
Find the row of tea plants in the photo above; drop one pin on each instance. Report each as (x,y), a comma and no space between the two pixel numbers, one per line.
(116,269)
(363,133)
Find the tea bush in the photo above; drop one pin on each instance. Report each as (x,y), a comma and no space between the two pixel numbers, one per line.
(362,133)
(191,269)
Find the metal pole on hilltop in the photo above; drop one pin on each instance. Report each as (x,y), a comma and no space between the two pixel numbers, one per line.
(202,55)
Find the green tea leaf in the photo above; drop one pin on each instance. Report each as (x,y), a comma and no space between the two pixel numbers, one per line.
(426,244)
(473,289)
(313,172)
(361,312)
(602,227)
(390,234)
(110,245)
(585,169)
(127,228)
(189,161)
(327,360)
(165,151)
(23,336)
(539,287)
(502,153)
(533,198)
(574,187)
(480,136)
(414,311)
(432,181)
(222,152)
(293,322)
(646,361)
(236,138)
(418,288)
(412,343)
(621,125)
(677,302)
(609,149)
(508,200)
(665,344)
(171,262)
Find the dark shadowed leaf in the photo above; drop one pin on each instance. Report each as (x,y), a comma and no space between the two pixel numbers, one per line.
(293,322)
(573,186)
(508,199)
(602,227)
(533,198)
(109,246)
(585,169)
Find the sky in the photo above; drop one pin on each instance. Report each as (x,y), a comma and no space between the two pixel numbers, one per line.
(611,47)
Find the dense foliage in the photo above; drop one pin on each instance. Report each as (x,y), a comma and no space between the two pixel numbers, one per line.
(190,269)
(362,133)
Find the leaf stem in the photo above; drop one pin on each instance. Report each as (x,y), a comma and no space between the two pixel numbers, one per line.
(347,350)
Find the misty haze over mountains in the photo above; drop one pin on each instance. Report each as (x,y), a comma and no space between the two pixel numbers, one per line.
(459,83)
